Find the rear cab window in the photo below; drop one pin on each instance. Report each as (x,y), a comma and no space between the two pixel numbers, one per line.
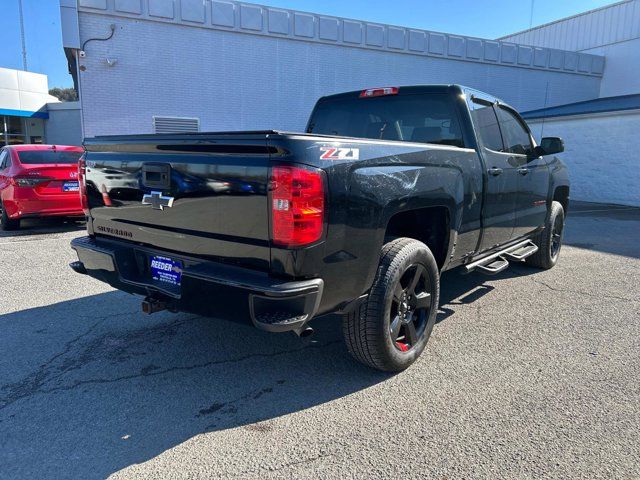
(421,118)
(43,157)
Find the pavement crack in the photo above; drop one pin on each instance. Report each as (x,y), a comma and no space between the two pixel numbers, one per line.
(182,368)
(286,465)
(33,385)
(580,292)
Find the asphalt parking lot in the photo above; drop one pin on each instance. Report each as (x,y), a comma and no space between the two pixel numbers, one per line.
(528,374)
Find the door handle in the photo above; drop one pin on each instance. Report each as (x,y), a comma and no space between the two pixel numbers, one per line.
(494,171)
(523,171)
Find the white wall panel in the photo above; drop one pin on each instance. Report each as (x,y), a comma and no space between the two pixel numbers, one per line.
(602,168)
(263,20)
(233,81)
(621,68)
(25,91)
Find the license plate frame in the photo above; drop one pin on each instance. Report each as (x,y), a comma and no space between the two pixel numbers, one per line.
(166,271)
(72,186)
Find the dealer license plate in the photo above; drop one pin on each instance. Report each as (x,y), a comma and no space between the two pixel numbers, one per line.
(70,187)
(165,270)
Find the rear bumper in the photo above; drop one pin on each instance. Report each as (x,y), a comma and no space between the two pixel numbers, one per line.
(30,204)
(206,287)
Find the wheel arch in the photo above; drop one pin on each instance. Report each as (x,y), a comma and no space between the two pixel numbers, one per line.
(429,224)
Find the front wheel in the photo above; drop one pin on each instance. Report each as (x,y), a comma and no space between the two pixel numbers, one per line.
(549,240)
(391,328)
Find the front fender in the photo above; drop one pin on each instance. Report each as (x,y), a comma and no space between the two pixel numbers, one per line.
(558,176)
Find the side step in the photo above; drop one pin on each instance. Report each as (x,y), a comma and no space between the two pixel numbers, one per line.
(499,261)
(496,266)
(521,253)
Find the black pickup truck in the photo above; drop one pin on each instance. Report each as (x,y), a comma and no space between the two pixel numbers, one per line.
(387,188)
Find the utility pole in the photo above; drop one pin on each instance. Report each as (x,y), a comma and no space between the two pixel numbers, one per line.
(24,46)
(530,16)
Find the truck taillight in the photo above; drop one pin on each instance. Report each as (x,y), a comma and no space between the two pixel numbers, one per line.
(297,205)
(82,184)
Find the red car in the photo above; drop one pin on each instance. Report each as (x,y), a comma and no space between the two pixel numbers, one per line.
(38,181)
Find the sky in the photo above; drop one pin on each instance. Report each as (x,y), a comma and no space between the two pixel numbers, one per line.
(478,18)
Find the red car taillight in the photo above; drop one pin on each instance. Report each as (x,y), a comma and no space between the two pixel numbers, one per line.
(297,205)
(31,181)
(82,172)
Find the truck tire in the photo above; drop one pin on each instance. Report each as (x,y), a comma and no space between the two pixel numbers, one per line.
(6,223)
(549,240)
(390,329)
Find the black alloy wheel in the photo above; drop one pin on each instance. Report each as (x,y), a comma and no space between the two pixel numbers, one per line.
(410,308)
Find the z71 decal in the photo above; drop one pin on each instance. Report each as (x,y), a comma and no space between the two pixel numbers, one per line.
(335,153)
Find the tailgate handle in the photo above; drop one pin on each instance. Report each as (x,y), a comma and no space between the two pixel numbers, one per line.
(156,175)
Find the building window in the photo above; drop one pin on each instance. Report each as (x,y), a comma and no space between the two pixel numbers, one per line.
(12,132)
(19,130)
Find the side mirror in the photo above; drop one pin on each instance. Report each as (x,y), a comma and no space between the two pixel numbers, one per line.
(549,146)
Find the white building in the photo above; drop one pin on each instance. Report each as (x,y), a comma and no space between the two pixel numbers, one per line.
(227,65)
(28,114)
(612,32)
(601,135)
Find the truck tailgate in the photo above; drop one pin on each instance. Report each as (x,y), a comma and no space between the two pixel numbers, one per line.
(201,194)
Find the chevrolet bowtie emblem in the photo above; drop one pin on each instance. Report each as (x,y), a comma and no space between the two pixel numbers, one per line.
(157,200)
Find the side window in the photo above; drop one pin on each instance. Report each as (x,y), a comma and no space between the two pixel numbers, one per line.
(516,137)
(486,124)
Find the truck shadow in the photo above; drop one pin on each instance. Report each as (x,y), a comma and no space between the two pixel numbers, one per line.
(459,289)
(95,381)
(90,386)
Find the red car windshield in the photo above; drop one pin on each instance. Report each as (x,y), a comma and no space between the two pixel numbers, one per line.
(40,157)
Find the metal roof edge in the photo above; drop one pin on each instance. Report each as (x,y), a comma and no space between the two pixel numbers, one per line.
(564,19)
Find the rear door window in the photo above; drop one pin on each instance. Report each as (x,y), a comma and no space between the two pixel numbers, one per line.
(38,157)
(423,118)
(485,123)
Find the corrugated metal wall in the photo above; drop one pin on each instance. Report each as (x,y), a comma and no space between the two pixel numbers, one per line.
(604,26)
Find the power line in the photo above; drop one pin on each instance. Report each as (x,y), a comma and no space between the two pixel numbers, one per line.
(531,14)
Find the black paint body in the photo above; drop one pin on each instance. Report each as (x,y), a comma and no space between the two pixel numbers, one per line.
(221,210)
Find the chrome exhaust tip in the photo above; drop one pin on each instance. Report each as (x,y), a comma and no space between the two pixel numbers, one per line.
(304,332)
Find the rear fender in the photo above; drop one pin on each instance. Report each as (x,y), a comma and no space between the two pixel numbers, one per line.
(384,191)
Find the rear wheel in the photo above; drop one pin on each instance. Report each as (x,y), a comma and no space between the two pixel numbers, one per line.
(5,222)
(391,328)
(549,240)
